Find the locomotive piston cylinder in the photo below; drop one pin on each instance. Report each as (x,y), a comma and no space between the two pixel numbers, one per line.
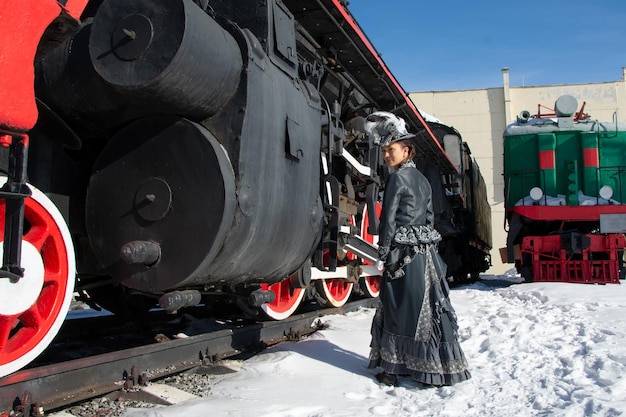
(169,52)
(152,234)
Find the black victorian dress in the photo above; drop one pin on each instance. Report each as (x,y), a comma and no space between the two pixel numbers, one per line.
(414,331)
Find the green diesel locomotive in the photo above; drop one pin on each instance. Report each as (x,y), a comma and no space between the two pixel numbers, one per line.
(565,196)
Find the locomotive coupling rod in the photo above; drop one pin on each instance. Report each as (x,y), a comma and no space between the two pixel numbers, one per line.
(360,247)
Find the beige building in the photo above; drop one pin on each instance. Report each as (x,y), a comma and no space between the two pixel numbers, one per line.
(482,115)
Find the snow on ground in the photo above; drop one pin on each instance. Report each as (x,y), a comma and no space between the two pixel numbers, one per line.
(539,349)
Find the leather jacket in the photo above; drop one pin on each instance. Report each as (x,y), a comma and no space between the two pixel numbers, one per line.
(407,201)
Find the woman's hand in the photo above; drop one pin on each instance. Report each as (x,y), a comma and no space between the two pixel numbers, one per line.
(380,265)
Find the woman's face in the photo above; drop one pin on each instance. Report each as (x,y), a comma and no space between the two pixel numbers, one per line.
(394,154)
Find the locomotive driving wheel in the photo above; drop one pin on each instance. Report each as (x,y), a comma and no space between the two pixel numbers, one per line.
(288,297)
(370,285)
(334,292)
(33,309)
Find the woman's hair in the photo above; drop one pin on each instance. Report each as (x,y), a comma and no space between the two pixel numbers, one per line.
(409,144)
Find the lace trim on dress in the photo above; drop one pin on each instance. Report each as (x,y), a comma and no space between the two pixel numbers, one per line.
(408,164)
(414,235)
(408,242)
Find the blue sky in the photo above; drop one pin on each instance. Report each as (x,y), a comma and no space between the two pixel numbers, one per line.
(463,44)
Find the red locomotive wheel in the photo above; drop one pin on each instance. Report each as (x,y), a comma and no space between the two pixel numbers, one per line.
(370,284)
(33,309)
(288,298)
(335,292)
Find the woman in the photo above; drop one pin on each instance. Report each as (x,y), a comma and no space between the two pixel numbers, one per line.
(414,331)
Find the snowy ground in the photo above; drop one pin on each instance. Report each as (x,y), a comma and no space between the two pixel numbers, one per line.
(540,349)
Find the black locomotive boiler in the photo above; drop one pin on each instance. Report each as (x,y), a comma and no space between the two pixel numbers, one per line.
(213,152)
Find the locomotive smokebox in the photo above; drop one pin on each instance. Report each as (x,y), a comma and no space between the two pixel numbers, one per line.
(169,52)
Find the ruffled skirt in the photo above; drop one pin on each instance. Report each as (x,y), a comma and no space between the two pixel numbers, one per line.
(414,331)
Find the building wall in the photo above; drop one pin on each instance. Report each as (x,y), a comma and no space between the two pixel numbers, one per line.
(482,115)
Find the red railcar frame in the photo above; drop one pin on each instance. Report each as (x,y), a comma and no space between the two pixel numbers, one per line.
(599,262)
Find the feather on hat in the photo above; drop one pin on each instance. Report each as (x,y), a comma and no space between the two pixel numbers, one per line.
(385,127)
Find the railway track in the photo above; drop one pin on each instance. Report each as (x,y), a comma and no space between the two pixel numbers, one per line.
(51,386)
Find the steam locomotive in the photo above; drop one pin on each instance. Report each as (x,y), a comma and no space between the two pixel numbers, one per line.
(564,195)
(208,152)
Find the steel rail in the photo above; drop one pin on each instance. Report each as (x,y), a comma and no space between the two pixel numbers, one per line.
(59,385)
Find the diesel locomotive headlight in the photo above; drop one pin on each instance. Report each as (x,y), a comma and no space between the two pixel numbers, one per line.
(536,194)
(606,192)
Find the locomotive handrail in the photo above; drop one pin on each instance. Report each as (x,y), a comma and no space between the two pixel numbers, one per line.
(362,169)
